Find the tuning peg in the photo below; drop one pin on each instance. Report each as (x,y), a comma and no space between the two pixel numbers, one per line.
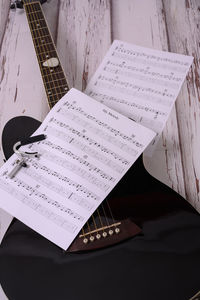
(12,5)
(16,3)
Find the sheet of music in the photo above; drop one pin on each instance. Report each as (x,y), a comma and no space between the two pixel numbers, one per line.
(140,83)
(87,150)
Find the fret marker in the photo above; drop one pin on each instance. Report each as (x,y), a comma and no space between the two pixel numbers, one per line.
(51,62)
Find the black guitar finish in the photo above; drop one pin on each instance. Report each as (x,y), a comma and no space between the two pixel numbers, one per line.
(22,127)
(161,263)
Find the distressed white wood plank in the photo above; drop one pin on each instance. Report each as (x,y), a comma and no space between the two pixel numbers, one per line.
(4,217)
(21,87)
(4,10)
(183,23)
(84,35)
(142,23)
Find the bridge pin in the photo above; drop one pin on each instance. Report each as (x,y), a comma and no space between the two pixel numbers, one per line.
(117,230)
(110,232)
(85,241)
(91,238)
(98,236)
(104,234)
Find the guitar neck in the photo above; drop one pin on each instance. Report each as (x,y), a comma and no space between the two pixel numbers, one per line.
(53,76)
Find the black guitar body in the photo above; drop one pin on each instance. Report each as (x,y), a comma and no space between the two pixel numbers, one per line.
(161,263)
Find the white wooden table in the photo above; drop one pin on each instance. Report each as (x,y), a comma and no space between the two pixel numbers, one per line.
(83,31)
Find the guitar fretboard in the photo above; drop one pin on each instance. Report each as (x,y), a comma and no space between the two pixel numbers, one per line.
(53,76)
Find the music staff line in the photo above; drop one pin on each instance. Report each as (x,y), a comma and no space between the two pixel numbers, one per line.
(143,78)
(125,91)
(126,56)
(40,209)
(101,97)
(33,191)
(111,139)
(78,187)
(63,192)
(67,165)
(125,84)
(116,132)
(93,142)
(145,71)
(151,56)
(75,157)
(86,149)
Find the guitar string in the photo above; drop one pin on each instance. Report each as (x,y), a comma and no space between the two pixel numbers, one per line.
(55,100)
(106,201)
(26,7)
(44,74)
(42,70)
(102,226)
(39,29)
(66,89)
(42,46)
(36,19)
(38,45)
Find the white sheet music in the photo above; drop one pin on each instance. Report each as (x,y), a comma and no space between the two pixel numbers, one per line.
(89,147)
(140,83)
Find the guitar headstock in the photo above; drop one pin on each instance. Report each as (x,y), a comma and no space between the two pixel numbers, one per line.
(20,3)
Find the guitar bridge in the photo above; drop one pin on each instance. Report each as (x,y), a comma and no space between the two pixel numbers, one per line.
(98,233)
(105,236)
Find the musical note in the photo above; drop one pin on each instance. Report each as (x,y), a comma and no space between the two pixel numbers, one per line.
(87,126)
(111,99)
(42,196)
(76,158)
(62,191)
(65,179)
(59,161)
(102,124)
(55,218)
(88,148)
(140,83)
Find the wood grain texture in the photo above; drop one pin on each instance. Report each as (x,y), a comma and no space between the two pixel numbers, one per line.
(183,23)
(83,30)
(142,23)
(84,36)
(21,87)
(4,10)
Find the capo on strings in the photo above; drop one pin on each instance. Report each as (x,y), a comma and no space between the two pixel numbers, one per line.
(22,155)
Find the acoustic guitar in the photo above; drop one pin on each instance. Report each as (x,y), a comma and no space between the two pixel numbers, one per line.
(145,236)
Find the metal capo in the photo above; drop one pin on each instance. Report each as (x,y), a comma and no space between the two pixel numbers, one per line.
(23,155)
